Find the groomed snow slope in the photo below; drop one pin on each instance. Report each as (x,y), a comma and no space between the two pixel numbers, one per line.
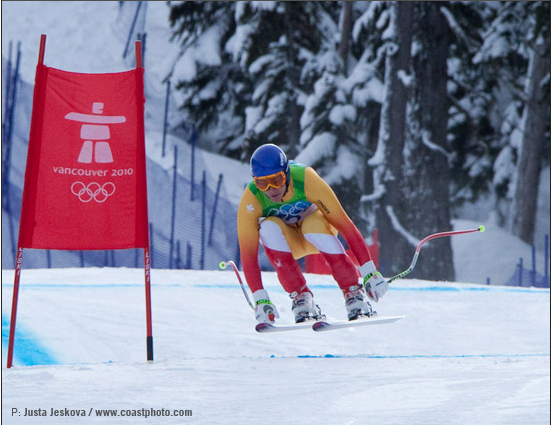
(464,354)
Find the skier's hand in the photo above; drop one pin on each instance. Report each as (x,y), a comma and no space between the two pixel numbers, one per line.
(375,286)
(265,311)
(373,281)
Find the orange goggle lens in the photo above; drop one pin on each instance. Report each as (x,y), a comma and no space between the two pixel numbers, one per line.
(273,180)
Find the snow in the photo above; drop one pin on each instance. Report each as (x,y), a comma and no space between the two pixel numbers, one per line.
(454,26)
(405,78)
(427,141)
(494,46)
(253,114)
(412,240)
(365,19)
(345,169)
(204,50)
(339,113)
(379,155)
(185,68)
(361,73)
(379,191)
(236,41)
(321,146)
(475,248)
(503,166)
(372,91)
(466,352)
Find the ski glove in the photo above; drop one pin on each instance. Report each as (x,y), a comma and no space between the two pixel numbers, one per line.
(375,285)
(265,311)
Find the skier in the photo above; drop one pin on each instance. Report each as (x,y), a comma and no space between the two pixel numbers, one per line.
(293,212)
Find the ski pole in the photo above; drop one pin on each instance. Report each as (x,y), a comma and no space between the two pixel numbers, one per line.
(480,229)
(223,265)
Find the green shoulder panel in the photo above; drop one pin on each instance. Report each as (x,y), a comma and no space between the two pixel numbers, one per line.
(297,174)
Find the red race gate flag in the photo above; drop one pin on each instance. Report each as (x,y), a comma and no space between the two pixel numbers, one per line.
(85,182)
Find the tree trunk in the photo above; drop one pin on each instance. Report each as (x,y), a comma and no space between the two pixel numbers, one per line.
(427,176)
(394,252)
(292,76)
(346,28)
(535,116)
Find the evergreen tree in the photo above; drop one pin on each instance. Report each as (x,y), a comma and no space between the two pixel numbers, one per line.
(388,161)
(340,119)
(473,139)
(535,125)
(214,89)
(427,174)
(489,56)
(285,38)
(328,82)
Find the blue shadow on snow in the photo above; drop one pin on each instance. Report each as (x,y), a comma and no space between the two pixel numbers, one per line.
(27,349)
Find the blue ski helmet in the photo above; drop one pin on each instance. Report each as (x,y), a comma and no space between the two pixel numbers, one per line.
(269,159)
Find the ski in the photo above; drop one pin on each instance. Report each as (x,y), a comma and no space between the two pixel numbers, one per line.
(322,325)
(267,327)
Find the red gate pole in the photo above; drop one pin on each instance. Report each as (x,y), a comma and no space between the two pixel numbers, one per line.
(147,256)
(19,256)
(149,339)
(18,264)
(139,54)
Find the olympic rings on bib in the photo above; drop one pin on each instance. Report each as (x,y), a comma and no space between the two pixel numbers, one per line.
(95,191)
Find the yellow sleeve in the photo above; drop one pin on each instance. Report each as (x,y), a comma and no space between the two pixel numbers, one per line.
(320,193)
(248,214)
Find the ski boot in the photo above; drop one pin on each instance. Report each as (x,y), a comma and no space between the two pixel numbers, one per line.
(304,309)
(356,303)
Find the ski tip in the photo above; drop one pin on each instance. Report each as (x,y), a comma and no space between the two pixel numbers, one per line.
(320,326)
(481,229)
(263,327)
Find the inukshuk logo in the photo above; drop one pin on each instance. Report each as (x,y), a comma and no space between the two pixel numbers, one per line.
(95,134)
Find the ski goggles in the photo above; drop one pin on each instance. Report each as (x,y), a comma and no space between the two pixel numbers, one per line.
(275,180)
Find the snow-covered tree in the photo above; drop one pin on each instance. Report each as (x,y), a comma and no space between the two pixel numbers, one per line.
(251,77)
(388,161)
(329,82)
(473,140)
(212,87)
(488,69)
(341,112)
(534,125)
(287,36)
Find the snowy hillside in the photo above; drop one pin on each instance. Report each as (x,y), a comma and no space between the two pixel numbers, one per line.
(174,240)
(464,353)
(95,22)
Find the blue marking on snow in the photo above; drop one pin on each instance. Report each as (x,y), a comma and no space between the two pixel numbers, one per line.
(414,356)
(471,289)
(78,285)
(27,350)
(437,288)
(419,288)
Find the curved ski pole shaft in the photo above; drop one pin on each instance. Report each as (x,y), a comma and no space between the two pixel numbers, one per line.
(223,265)
(428,238)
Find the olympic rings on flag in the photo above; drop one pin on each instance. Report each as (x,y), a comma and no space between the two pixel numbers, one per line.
(95,191)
